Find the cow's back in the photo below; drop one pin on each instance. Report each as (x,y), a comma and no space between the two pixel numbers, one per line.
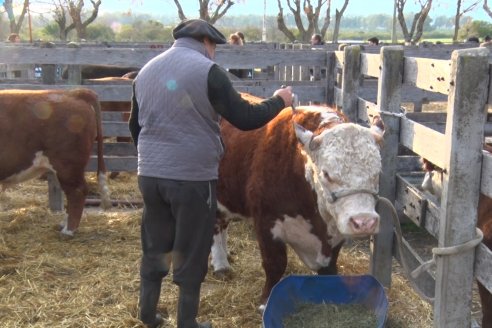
(262,171)
(60,124)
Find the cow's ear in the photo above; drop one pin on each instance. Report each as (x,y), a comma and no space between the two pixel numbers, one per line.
(377,129)
(306,137)
(303,135)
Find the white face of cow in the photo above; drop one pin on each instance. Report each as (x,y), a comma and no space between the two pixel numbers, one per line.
(343,166)
(432,183)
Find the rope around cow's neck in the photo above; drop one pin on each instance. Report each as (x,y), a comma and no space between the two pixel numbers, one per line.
(437,251)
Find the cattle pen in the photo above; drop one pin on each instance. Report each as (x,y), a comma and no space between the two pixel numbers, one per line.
(363,84)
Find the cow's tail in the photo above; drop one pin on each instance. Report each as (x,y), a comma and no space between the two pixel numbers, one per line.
(93,99)
(101,166)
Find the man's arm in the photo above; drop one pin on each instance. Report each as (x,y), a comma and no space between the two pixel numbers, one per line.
(239,112)
(133,121)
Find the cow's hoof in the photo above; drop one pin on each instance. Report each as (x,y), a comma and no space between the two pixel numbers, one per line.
(223,274)
(65,237)
(66,234)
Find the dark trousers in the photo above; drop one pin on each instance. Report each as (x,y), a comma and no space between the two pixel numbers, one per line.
(177,225)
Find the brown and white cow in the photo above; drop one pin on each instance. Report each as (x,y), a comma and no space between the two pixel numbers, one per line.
(52,130)
(307,179)
(433,184)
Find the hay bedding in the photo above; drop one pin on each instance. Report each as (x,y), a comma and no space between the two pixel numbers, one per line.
(329,315)
(92,280)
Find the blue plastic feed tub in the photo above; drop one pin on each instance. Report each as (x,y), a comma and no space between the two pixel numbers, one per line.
(364,290)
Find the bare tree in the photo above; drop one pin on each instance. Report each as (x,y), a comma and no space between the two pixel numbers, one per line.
(313,15)
(74,10)
(487,8)
(417,29)
(338,19)
(211,11)
(15,25)
(462,9)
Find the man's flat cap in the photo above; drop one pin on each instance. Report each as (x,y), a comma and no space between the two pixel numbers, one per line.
(198,28)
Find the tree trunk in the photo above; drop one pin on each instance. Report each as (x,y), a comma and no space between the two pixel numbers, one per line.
(74,10)
(15,25)
(208,12)
(180,10)
(487,8)
(281,24)
(417,29)
(312,18)
(338,19)
(421,21)
(457,21)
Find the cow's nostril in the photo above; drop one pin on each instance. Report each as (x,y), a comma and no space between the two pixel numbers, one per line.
(363,224)
(354,223)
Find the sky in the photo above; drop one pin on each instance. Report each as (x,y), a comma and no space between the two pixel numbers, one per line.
(246,7)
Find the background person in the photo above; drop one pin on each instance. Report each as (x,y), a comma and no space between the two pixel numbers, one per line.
(235,39)
(174,123)
(374,41)
(487,41)
(241,35)
(316,40)
(14,38)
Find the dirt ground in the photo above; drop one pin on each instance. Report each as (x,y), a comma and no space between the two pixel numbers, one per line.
(92,279)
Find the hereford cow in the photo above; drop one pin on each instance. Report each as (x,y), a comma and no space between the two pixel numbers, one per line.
(307,179)
(52,130)
(432,183)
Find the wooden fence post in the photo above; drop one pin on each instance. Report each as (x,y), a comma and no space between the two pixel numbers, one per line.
(48,70)
(389,102)
(350,82)
(463,143)
(331,78)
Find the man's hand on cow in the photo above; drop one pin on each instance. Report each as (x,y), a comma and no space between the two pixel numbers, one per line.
(286,95)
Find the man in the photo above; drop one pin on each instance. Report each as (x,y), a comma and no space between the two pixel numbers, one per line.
(316,40)
(374,41)
(178,100)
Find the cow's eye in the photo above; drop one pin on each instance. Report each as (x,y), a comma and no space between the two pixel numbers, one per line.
(326,175)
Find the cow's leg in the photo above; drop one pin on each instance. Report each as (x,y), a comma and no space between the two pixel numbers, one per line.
(219,259)
(273,256)
(486,300)
(332,269)
(76,190)
(219,254)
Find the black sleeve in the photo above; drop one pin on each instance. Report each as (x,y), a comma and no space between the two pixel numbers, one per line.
(239,112)
(133,121)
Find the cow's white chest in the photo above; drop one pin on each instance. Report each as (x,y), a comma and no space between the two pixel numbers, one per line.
(40,165)
(296,232)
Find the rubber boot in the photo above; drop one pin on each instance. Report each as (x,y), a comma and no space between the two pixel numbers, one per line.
(149,298)
(189,299)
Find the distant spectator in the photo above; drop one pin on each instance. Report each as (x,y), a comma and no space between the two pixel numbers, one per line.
(373,41)
(473,39)
(235,39)
(487,41)
(241,35)
(317,40)
(14,38)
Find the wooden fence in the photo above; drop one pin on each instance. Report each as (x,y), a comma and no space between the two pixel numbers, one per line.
(451,140)
(465,80)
